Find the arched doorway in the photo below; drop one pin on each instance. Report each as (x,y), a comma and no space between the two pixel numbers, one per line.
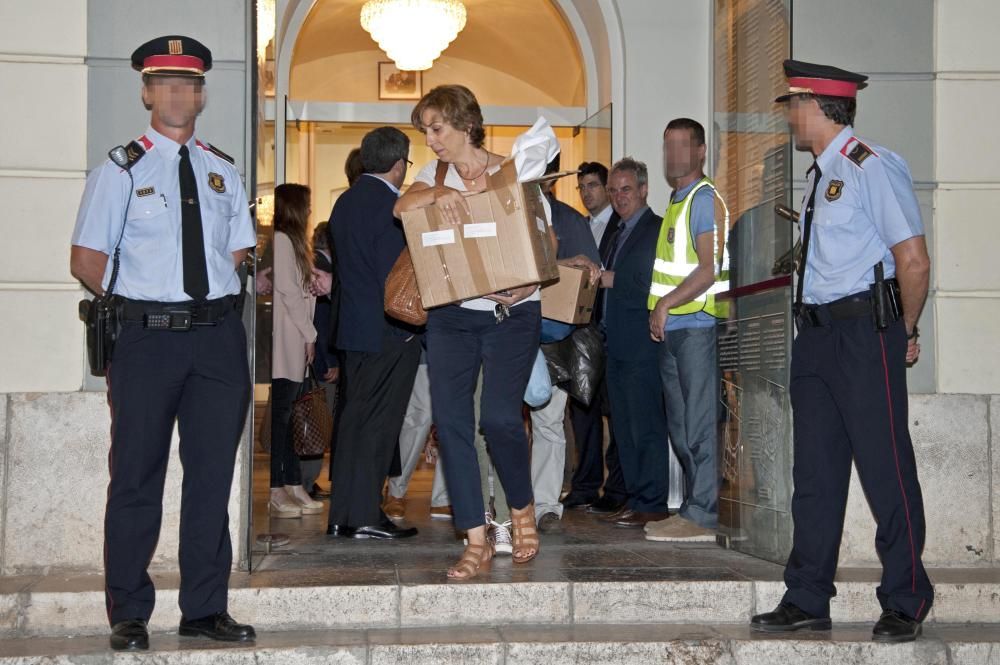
(523,58)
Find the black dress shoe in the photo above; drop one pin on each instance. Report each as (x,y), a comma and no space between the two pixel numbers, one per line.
(577,501)
(894,626)
(386,530)
(604,506)
(130,635)
(219,627)
(340,530)
(624,513)
(787,618)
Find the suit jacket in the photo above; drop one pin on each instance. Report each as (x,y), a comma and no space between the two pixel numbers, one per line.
(626,315)
(367,240)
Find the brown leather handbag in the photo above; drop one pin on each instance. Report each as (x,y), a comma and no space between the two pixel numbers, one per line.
(402,297)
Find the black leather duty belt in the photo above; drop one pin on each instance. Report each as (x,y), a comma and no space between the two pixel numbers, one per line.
(851,307)
(177,316)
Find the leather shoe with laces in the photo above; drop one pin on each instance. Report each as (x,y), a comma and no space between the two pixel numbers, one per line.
(221,627)
(340,531)
(787,618)
(130,635)
(894,626)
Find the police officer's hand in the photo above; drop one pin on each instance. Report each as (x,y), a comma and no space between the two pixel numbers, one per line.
(310,352)
(451,204)
(658,321)
(912,351)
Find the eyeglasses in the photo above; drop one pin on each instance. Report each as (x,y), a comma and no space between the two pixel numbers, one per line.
(409,163)
(626,190)
(589,185)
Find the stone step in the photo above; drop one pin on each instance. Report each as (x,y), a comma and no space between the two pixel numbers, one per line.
(57,605)
(552,645)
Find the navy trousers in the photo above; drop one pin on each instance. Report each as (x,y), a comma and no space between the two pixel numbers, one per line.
(201,380)
(849,399)
(459,342)
(588,433)
(640,426)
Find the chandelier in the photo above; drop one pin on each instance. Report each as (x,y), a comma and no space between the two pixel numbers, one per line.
(413,32)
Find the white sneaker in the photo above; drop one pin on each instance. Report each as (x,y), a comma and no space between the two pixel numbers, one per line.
(283,506)
(500,536)
(306,503)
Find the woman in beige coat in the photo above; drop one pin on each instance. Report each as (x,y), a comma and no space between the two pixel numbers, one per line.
(294,345)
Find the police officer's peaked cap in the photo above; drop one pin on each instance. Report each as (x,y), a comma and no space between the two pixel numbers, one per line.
(172,55)
(806,78)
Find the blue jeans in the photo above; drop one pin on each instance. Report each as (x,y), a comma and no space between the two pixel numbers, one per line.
(689,371)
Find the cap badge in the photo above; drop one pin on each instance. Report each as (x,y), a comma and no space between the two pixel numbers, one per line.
(175,46)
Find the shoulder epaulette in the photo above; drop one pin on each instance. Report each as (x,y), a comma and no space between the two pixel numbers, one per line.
(211,148)
(134,151)
(856,151)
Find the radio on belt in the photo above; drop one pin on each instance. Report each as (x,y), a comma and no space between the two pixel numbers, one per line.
(175,320)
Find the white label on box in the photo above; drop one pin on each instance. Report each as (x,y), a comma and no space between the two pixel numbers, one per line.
(541,223)
(432,238)
(483,230)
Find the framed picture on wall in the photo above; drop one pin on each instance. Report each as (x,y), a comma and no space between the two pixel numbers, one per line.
(394,83)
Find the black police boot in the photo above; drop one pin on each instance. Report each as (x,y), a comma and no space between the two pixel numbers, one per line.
(788,618)
(894,626)
(221,627)
(131,635)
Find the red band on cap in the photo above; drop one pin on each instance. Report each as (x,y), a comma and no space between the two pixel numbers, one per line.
(827,87)
(186,62)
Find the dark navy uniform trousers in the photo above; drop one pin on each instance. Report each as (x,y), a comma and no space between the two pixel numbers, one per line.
(848,391)
(200,379)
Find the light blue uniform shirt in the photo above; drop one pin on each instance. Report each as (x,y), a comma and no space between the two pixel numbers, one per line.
(702,221)
(151,255)
(864,205)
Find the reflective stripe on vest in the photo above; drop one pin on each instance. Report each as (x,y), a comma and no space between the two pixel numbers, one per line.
(676,257)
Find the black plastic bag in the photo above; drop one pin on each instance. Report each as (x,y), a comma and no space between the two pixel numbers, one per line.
(578,362)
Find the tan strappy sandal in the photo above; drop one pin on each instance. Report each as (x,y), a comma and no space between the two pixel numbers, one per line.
(474,559)
(525,535)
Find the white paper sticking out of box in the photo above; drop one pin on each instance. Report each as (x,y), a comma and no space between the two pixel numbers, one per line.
(483,230)
(432,238)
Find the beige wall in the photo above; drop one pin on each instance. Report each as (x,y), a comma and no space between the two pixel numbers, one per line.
(42,171)
(967,200)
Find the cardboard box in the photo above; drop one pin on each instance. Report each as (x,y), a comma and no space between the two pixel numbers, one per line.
(571,299)
(503,245)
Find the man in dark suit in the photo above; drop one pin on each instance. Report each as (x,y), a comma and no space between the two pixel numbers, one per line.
(634,385)
(588,420)
(380,355)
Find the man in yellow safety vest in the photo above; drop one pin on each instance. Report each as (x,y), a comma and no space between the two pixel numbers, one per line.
(691,267)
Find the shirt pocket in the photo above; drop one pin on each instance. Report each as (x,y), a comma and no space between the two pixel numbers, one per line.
(216,219)
(841,210)
(147,220)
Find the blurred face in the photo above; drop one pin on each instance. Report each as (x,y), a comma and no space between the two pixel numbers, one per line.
(804,118)
(174,100)
(446,141)
(593,194)
(627,196)
(682,156)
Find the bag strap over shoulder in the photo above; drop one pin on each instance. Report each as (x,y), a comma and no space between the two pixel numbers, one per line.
(442,171)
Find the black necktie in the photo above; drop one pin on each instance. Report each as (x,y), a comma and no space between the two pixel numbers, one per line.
(806,229)
(192,238)
(608,261)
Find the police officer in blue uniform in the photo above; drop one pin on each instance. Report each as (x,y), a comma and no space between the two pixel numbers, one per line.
(179,210)
(859,294)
